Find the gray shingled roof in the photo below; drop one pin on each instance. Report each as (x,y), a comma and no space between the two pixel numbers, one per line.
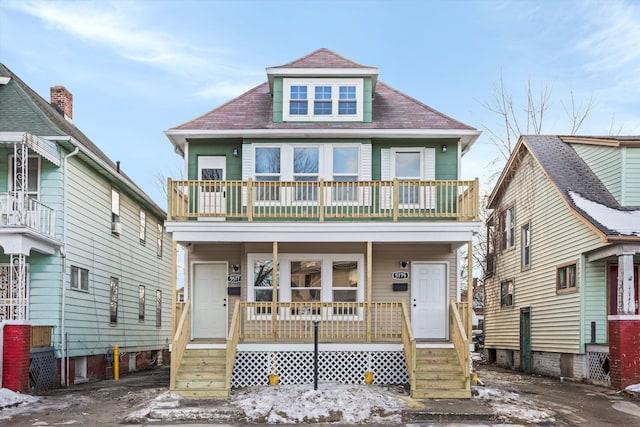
(23,110)
(569,173)
(391,108)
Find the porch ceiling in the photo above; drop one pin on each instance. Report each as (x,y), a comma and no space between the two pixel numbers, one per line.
(396,232)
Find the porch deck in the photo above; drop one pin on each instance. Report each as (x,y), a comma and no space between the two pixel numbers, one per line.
(359,337)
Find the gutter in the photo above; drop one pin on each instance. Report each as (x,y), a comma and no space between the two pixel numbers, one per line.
(64,375)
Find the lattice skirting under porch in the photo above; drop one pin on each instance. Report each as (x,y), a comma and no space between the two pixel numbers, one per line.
(253,368)
(599,368)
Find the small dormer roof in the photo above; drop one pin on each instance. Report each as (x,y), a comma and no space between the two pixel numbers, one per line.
(322,63)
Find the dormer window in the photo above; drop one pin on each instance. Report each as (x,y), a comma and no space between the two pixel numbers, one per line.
(332,100)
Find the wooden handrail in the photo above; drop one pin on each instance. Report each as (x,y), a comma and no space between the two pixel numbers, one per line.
(409,346)
(179,343)
(232,341)
(460,341)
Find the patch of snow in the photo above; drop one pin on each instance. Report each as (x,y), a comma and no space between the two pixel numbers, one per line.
(511,405)
(633,387)
(624,222)
(330,403)
(10,398)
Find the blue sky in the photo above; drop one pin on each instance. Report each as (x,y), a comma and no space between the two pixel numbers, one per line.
(139,67)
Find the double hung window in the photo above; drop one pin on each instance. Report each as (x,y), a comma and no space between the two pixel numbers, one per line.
(566,277)
(345,169)
(267,168)
(506,293)
(306,167)
(506,229)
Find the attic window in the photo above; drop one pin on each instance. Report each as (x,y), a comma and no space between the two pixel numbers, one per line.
(331,99)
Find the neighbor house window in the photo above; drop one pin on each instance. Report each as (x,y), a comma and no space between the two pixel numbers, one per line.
(113,301)
(506,229)
(143,226)
(525,242)
(160,231)
(79,278)
(158,308)
(566,277)
(333,99)
(140,302)
(115,211)
(506,293)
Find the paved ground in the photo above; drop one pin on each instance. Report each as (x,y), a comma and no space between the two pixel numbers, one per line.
(508,398)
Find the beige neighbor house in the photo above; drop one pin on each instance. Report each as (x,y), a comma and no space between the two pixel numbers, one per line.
(322,195)
(562,291)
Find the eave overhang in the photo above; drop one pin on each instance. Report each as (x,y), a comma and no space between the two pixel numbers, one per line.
(273,72)
(453,233)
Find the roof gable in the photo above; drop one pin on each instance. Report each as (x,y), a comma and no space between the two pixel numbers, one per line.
(574,180)
(322,58)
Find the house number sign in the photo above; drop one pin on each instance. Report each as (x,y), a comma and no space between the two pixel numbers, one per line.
(400,275)
(233,278)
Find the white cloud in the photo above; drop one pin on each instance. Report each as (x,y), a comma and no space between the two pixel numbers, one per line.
(125,28)
(611,34)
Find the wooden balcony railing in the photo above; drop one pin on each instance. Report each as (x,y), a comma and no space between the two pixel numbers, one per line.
(323,200)
(181,337)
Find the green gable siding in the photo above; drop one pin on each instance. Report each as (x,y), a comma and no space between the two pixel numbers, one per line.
(367,107)
(605,163)
(278,97)
(631,177)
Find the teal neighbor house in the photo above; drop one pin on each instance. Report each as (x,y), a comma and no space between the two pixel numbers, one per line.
(322,204)
(85,262)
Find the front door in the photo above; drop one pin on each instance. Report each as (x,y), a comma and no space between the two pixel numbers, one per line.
(212,198)
(209,301)
(429,300)
(525,339)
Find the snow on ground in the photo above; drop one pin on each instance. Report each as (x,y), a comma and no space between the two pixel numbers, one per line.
(10,398)
(510,405)
(330,403)
(634,388)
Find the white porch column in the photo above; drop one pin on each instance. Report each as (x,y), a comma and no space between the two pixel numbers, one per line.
(626,291)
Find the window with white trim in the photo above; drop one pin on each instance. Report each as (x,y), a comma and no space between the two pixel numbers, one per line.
(115,211)
(158,308)
(306,167)
(346,161)
(79,278)
(160,232)
(308,278)
(141,290)
(113,300)
(143,226)
(525,242)
(507,238)
(318,99)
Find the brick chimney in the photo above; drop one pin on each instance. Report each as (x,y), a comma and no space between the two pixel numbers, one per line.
(62,100)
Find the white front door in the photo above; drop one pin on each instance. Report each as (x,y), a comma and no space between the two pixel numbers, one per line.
(212,198)
(429,300)
(209,301)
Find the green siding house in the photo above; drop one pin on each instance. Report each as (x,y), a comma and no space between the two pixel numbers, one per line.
(322,197)
(85,262)
(564,249)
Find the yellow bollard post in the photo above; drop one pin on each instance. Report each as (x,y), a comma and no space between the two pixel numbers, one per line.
(116,363)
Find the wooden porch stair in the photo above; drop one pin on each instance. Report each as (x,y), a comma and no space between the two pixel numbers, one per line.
(202,373)
(438,375)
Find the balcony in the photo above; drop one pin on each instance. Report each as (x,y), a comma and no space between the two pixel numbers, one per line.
(26,213)
(323,200)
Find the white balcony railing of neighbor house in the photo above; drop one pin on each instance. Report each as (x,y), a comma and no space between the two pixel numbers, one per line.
(324,200)
(19,211)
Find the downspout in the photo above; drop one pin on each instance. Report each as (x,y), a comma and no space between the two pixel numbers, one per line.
(64,375)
